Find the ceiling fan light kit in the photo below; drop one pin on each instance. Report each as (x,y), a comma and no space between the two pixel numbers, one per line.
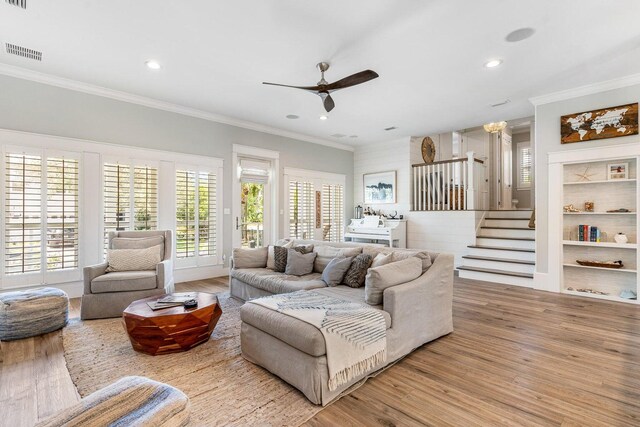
(323,89)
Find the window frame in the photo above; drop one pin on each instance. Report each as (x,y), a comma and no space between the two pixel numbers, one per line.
(43,275)
(520,147)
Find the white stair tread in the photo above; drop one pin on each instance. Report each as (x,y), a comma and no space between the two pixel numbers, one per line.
(494,259)
(501,248)
(494,271)
(506,228)
(506,238)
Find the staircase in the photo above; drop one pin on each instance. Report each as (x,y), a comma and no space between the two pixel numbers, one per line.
(504,251)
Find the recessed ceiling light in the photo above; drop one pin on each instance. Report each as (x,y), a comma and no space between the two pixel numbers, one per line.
(493,63)
(519,34)
(292,116)
(324,117)
(154,65)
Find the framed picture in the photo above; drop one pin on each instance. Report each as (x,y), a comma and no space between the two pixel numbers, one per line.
(609,122)
(380,187)
(618,171)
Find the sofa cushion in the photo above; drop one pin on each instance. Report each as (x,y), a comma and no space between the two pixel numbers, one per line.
(298,262)
(357,271)
(400,254)
(298,334)
(134,259)
(380,259)
(249,258)
(138,243)
(124,281)
(277,283)
(334,272)
(327,253)
(380,278)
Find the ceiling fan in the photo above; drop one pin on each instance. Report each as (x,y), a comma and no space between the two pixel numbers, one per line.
(324,88)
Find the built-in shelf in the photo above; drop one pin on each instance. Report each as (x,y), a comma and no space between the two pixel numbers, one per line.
(599,213)
(604,181)
(622,270)
(601,244)
(604,297)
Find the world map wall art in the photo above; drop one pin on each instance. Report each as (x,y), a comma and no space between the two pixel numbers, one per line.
(599,124)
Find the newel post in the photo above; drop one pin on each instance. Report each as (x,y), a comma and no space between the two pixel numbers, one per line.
(470,197)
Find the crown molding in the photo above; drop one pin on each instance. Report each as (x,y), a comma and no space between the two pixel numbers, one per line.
(51,80)
(589,89)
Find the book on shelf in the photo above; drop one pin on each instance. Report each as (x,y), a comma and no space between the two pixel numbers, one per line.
(588,233)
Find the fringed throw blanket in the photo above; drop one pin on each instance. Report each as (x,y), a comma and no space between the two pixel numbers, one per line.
(354,334)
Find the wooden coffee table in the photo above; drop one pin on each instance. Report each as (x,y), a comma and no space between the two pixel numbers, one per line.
(172,329)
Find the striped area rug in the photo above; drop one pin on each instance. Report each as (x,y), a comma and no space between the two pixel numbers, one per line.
(224,389)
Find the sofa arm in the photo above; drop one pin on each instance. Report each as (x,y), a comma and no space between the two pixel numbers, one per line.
(422,309)
(164,271)
(91,272)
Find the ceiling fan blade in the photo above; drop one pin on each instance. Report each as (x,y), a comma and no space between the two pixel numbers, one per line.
(327,101)
(309,88)
(352,80)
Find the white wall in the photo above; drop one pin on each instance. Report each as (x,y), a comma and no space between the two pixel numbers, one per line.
(547,140)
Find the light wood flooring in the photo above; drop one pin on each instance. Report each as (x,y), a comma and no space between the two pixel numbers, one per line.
(517,357)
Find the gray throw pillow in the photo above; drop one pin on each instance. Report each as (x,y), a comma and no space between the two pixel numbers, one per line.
(280,256)
(334,271)
(299,264)
(358,271)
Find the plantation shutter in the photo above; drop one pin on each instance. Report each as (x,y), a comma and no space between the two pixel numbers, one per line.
(207,214)
(185,213)
(117,199)
(332,212)
(62,213)
(145,196)
(301,210)
(23,213)
(525,167)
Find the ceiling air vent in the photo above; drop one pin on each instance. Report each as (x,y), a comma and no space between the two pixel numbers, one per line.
(390,128)
(19,3)
(24,52)
(338,135)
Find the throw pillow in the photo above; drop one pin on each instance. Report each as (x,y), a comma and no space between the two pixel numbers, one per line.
(133,259)
(357,271)
(399,255)
(271,261)
(380,278)
(298,263)
(138,243)
(381,259)
(280,256)
(327,253)
(334,271)
(249,258)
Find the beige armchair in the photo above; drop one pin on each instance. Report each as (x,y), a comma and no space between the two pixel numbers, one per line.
(108,294)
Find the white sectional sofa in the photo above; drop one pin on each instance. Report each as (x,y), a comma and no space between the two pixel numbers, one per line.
(415,313)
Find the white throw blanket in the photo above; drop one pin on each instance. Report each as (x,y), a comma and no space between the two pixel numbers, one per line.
(354,334)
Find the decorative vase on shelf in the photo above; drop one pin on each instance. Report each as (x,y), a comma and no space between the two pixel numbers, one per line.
(621,238)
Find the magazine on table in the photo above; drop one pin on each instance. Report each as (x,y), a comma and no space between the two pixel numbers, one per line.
(178,297)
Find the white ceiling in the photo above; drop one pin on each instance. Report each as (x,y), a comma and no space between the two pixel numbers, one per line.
(429,55)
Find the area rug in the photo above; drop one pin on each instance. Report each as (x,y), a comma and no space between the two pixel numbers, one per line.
(224,389)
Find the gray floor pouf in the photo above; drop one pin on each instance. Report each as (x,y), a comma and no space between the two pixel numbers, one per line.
(32,312)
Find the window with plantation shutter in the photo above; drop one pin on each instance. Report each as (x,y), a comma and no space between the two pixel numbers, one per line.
(332,212)
(301,210)
(145,198)
(525,165)
(196,213)
(23,214)
(62,213)
(207,214)
(117,198)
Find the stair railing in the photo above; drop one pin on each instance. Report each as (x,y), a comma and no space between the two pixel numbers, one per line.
(448,184)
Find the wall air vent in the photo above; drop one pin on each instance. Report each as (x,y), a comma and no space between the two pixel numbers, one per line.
(23,51)
(19,3)
(390,128)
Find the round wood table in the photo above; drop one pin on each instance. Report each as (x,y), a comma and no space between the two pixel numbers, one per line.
(173,329)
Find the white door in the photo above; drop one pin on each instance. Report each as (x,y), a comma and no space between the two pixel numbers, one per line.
(252,195)
(506,166)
